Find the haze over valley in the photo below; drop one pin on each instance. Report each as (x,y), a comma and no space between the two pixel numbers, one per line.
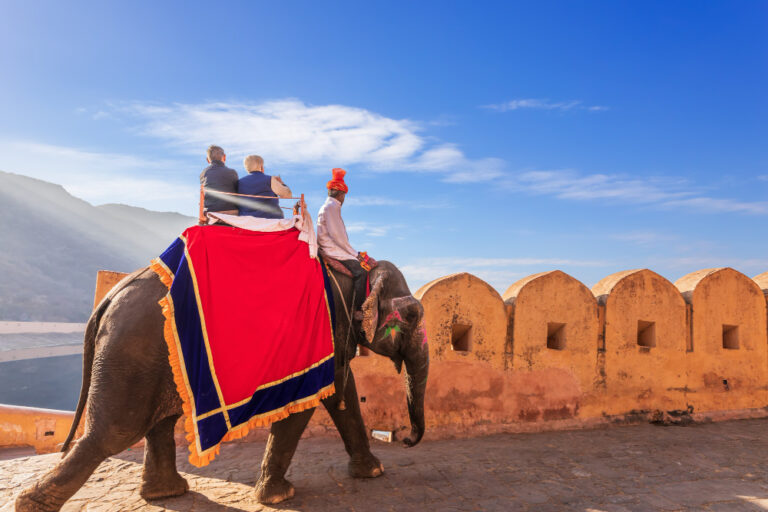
(54,243)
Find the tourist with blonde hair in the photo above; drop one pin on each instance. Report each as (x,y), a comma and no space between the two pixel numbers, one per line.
(256,183)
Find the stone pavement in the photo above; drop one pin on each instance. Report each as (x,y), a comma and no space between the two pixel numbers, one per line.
(717,466)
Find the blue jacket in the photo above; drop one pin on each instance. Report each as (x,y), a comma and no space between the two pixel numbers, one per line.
(259,184)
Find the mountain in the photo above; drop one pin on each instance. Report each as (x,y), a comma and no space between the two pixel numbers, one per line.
(52,244)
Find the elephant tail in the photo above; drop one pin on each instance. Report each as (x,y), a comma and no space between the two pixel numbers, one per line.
(89,348)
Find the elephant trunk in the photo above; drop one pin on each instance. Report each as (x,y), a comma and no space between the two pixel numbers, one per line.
(417,369)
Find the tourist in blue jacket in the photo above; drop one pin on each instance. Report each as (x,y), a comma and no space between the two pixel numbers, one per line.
(259,184)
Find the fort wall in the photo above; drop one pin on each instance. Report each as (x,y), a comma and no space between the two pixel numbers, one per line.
(550,354)
(645,343)
(42,429)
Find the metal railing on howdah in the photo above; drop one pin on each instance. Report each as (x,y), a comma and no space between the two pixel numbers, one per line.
(203,191)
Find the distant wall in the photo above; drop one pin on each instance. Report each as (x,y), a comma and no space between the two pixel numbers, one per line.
(551,354)
(105,281)
(42,429)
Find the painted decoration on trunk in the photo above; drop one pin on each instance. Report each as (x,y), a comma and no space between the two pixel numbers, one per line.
(248,328)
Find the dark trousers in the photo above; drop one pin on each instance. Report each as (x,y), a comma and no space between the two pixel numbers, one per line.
(358,281)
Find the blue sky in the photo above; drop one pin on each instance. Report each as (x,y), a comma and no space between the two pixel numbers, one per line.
(502,139)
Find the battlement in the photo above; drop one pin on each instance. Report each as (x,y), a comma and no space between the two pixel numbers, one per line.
(550,353)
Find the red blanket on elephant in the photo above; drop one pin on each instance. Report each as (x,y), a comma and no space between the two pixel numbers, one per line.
(248,330)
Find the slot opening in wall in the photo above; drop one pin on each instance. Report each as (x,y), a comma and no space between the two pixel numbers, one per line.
(730,337)
(363,351)
(555,336)
(646,333)
(461,337)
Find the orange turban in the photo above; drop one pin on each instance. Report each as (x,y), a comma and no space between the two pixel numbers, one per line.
(337,182)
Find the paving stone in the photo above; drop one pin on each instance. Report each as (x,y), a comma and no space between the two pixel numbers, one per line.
(699,492)
(735,506)
(716,467)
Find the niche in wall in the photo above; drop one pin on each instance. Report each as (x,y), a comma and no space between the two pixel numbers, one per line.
(646,333)
(461,337)
(730,337)
(555,336)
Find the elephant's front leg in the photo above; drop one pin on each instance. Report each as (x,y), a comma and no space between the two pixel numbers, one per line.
(284,435)
(349,422)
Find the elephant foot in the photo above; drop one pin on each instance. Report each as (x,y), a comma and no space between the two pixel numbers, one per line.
(164,488)
(29,501)
(274,490)
(369,467)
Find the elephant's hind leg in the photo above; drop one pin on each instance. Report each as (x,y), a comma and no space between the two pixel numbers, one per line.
(160,478)
(63,481)
(284,435)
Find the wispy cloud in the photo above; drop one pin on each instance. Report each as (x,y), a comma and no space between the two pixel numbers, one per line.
(289,131)
(498,272)
(568,184)
(763,177)
(715,205)
(100,177)
(419,275)
(467,263)
(367,229)
(659,192)
(419,204)
(747,265)
(642,238)
(542,104)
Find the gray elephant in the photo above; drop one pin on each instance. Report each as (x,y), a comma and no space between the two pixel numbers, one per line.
(128,391)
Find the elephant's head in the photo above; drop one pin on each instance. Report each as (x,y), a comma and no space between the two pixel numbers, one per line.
(394,327)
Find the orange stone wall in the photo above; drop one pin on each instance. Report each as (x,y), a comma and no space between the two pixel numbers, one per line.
(553,321)
(503,364)
(728,364)
(42,429)
(645,342)
(105,281)
(466,320)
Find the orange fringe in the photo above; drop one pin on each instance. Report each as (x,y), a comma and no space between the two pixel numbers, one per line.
(203,459)
(161,272)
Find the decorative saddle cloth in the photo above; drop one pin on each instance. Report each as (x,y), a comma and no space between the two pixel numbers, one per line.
(249,330)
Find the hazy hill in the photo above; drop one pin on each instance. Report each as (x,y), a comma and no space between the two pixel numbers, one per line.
(52,244)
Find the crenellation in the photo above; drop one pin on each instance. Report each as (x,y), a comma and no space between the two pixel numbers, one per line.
(728,365)
(645,340)
(550,353)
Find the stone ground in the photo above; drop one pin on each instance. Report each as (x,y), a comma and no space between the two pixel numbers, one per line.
(716,466)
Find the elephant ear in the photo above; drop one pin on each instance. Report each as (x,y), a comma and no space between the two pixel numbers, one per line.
(371,307)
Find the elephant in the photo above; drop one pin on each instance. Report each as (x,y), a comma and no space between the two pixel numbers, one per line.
(128,392)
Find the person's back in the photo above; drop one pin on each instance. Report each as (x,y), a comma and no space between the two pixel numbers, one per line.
(217,177)
(259,184)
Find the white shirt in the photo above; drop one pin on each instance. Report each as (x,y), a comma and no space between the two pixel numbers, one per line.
(331,232)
